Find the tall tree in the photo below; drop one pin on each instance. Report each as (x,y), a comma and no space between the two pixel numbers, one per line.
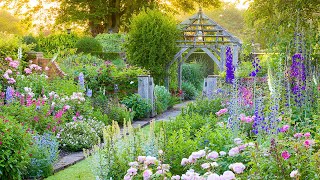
(273,19)
(105,15)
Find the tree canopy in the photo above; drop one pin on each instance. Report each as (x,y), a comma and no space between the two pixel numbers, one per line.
(9,23)
(281,18)
(104,15)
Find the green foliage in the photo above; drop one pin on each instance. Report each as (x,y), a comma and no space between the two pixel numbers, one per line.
(194,74)
(97,125)
(203,107)
(275,20)
(31,40)
(152,42)
(62,86)
(15,144)
(111,42)
(44,155)
(9,45)
(88,45)
(78,135)
(189,91)
(10,24)
(54,43)
(162,98)
(37,82)
(119,113)
(139,106)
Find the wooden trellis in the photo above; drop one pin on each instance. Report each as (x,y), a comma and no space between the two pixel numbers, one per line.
(199,32)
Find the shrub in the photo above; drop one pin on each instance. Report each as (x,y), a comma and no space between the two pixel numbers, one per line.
(78,135)
(139,105)
(98,126)
(152,42)
(162,98)
(118,113)
(53,43)
(88,45)
(31,40)
(45,154)
(9,45)
(203,107)
(111,42)
(194,74)
(189,91)
(15,149)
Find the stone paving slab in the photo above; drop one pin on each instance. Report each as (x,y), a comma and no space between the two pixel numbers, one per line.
(73,158)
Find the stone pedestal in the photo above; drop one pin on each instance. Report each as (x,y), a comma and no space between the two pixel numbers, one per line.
(146,91)
(210,86)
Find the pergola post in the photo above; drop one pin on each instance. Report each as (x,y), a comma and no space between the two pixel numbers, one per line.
(235,55)
(180,72)
(223,56)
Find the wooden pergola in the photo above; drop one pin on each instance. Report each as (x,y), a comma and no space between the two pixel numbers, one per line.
(199,32)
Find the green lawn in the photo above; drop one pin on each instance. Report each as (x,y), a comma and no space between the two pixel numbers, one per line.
(79,171)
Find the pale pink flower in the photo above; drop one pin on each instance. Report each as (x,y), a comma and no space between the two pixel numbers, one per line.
(213,177)
(237,167)
(133,164)
(132,171)
(46,68)
(199,154)
(298,135)
(228,175)
(213,155)
(150,160)
(11,81)
(28,70)
(6,76)
(14,64)
(243,117)
(141,159)
(9,71)
(127,177)
(237,141)
(307,143)
(184,161)
(8,59)
(222,112)
(147,174)
(284,128)
(234,151)
(307,134)
(222,153)
(205,166)
(294,173)
(176,177)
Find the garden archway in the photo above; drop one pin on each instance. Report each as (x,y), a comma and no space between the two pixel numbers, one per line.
(199,32)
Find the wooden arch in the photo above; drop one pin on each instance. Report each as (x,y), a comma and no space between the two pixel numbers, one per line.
(201,32)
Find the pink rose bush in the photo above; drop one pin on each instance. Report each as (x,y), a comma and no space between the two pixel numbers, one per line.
(222,112)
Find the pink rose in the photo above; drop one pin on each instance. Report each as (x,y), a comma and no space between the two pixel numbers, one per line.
(8,59)
(205,166)
(28,70)
(132,171)
(184,161)
(213,177)
(294,174)
(285,155)
(141,159)
(176,177)
(307,143)
(212,155)
(147,174)
(284,128)
(307,134)
(237,167)
(298,135)
(228,175)
(234,151)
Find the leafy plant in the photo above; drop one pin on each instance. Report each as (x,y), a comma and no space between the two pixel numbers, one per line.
(194,74)
(44,155)
(88,45)
(140,106)
(119,113)
(189,91)
(162,98)
(111,42)
(15,143)
(152,42)
(78,135)
(203,107)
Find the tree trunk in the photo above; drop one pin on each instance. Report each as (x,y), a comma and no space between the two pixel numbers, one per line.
(96,29)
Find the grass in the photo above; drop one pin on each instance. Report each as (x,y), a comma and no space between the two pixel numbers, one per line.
(79,171)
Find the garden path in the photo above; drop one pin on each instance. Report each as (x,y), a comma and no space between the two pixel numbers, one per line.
(75,157)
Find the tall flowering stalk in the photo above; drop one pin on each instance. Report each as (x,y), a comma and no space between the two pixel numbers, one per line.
(81,81)
(229,66)
(9,94)
(256,66)
(298,76)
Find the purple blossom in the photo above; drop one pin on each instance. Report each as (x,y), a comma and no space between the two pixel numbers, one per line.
(256,66)
(229,66)
(81,80)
